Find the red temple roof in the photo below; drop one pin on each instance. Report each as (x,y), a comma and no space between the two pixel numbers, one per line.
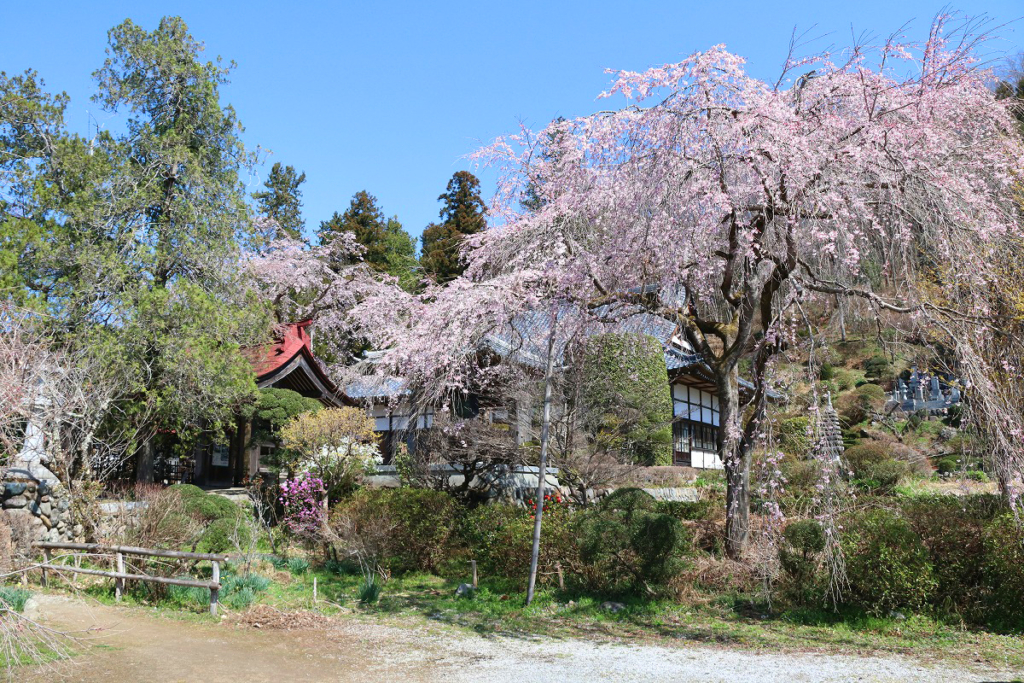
(289,363)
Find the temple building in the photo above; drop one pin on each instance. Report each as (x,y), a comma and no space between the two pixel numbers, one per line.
(288,363)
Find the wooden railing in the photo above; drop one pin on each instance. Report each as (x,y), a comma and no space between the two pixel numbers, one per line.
(119,575)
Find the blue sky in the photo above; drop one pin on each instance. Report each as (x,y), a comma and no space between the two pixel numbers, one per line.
(390,96)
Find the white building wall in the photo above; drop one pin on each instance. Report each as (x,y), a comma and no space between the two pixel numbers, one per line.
(697,405)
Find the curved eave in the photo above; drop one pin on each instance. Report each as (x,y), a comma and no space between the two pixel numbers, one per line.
(302,374)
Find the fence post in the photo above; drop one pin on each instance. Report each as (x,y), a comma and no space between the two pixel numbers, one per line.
(46,561)
(561,577)
(473,564)
(215,592)
(119,582)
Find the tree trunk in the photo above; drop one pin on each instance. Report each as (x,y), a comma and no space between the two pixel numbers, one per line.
(545,437)
(144,463)
(841,305)
(736,458)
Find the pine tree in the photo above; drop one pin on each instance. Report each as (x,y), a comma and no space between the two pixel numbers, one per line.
(463,214)
(364,219)
(282,200)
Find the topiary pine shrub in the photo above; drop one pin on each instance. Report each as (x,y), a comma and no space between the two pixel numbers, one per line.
(799,557)
(220,535)
(627,546)
(625,398)
(273,410)
(874,468)
(878,367)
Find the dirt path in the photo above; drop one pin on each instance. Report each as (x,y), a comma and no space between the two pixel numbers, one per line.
(128,644)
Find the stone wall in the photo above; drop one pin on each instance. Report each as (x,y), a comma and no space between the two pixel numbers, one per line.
(40,505)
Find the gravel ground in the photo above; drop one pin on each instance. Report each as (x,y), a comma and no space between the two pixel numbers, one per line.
(134,645)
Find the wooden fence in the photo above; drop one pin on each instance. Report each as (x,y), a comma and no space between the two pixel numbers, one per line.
(119,575)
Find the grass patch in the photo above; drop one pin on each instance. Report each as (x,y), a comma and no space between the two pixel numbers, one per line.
(499,607)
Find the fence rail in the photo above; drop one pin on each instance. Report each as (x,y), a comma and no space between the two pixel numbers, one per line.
(120,576)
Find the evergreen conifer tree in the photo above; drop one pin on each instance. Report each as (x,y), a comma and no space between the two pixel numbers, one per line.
(282,200)
(463,214)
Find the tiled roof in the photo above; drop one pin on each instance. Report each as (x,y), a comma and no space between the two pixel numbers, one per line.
(375,387)
(525,338)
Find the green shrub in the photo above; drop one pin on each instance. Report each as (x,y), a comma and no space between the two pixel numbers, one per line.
(845,379)
(802,476)
(857,406)
(827,372)
(1004,571)
(874,468)
(209,507)
(690,511)
(411,529)
(887,565)
(884,476)
(625,544)
(947,465)
(952,528)
(861,457)
(955,415)
(188,490)
(14,598)
(793,436)
(806,536)
(217,537)
(500,538)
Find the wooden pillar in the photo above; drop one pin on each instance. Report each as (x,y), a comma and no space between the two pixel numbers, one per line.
(238,450)
(215,592)
(46,561)
(119,582)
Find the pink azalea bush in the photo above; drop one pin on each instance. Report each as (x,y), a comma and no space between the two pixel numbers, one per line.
(302,499)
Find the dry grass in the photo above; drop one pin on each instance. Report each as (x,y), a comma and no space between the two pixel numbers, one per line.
(267,617)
